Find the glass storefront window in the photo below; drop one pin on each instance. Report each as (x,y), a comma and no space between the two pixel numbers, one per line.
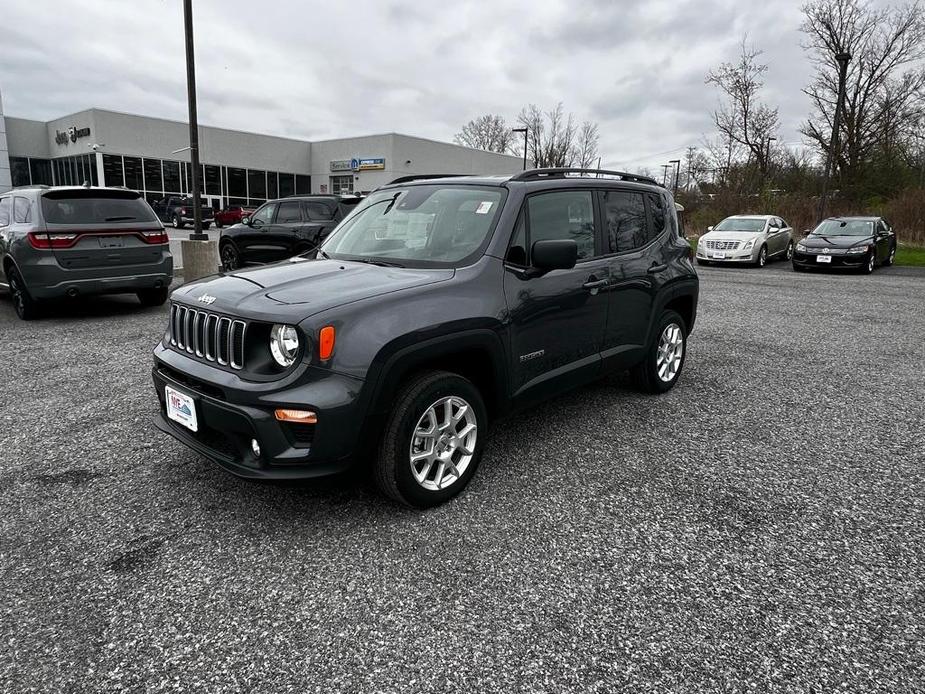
(286,185)
(172,176)
(303,184)
(133,177)
(272,185)
(153,182)
(212,181)
(112,170)
(237,183)
(19,171)
(256,183)
(41,171)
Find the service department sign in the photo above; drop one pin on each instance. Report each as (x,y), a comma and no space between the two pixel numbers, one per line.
(73,134)
(355,164)
(341,165)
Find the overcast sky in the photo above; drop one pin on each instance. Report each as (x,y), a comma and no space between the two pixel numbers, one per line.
(320,70)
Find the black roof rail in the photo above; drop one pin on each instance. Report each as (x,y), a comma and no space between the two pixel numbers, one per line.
(423,177)
(561,172)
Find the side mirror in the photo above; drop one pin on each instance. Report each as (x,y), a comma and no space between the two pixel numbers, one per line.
(246,221)
(709,229)
(555,255)
(807,232)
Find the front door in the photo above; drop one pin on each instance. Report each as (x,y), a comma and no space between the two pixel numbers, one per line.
(283,234)
(556,320)
(884,239)
(252,240)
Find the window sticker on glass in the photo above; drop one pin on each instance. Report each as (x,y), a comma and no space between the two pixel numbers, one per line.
(484,207)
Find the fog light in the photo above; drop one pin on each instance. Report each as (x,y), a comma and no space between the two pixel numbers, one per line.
(255,447)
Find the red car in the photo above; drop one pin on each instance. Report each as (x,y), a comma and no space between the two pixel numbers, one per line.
(232,215)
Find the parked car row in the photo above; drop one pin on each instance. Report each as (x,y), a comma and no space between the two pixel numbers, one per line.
(855,243)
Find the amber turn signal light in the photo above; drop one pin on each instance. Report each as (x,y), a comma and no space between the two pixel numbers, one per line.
(326,342)
(297,416)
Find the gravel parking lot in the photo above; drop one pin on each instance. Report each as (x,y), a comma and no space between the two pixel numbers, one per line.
(759,528)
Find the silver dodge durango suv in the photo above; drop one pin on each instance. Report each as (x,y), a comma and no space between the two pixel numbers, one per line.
(74,241)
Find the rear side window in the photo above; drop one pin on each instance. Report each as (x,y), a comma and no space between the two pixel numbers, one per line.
(625,220)
(563,215)
(318,211)
(4,212)
(75,208)
(22,210)
(289,212)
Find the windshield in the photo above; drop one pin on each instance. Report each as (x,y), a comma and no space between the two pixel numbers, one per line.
(844,227)
(95,207)
(426,225)
(740,224)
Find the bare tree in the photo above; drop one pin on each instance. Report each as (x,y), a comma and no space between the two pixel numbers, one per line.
(551,136)
(489,132)
(742,119)
(882,83)
(586,153)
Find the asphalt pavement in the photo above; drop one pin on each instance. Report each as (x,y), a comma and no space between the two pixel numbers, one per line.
(759,528)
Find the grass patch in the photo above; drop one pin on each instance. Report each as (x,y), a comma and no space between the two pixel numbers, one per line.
(910,256)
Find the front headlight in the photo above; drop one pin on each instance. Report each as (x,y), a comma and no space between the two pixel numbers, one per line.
(284,344)
(857,249)
(749,245)
(801,247)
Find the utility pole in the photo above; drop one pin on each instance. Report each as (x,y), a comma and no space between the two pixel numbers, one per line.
(843,60)
(677,174)
(665,175)
(767,156)
(691,153)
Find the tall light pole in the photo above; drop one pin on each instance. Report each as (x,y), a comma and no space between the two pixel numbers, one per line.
(197,234)
(524,131)
(665,174)
(677,174)
(843,60)
(767,156)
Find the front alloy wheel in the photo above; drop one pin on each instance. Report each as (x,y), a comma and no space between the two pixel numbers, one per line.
(231,260)
(433,440)
(790,251)
(177,223)
(868,267)
(762,257)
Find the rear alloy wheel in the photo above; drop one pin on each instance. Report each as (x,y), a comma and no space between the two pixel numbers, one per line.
(26,307)
(153,297)
(231,259)
(177,222)
(660,369)
(891,258)
(762,257)
(789,255)
(433,440)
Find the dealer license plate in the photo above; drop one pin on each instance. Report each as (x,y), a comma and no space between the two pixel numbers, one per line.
(110,242)
(718,255)
(823,259)
(181,408)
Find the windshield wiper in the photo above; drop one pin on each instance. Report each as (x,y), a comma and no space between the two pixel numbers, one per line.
(377,261)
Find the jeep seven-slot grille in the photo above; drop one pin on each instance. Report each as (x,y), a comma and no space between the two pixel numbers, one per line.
(208,335)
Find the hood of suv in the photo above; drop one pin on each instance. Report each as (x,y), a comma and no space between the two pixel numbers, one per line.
(306,287)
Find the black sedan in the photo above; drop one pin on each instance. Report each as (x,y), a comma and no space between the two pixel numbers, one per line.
(856,243)
(280,229)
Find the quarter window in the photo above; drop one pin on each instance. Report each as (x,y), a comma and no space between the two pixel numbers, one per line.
(625,220)
(22,210)
(4,212)
(563,215)
(657,207)
(289,212)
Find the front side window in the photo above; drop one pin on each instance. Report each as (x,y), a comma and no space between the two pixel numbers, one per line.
(289,212)
(22,210)
(625,220)
(567,214)
(264,215)
(423,226)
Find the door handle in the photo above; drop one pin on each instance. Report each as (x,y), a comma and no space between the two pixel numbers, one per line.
(657,268)
(594,283)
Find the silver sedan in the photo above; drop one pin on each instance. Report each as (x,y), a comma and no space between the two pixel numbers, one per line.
(746,239)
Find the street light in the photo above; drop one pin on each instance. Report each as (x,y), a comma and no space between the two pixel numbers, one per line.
(843,59)
(677,174)
(197,234)
(524,131)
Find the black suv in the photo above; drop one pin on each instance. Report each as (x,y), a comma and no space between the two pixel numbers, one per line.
(179,211)
(283,228)
(435,306)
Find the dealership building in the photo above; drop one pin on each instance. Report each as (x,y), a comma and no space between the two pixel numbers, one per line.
(244,168)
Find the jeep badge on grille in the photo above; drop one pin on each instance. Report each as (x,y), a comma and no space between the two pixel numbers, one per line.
(206,299)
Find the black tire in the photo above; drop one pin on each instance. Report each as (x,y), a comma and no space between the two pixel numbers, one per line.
(798,268)
(153,297)
(218,224)
(870,262)
(206,225)
(702,262)
(891,258)
(393,471)
(762,258)
(645,374)
(230,257)
(177,222)
(26,307)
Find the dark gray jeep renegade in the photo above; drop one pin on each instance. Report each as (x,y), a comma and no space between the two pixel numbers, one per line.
(436,306)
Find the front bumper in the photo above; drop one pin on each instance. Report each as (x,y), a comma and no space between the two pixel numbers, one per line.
(855,261)
(233,412)
(731,256)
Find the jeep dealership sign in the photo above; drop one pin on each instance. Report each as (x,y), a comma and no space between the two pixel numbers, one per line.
(72,134)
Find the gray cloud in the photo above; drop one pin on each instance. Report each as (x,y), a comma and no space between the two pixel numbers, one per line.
(324,70)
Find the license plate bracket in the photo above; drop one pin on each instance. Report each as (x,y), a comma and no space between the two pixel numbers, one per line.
(823,259)
(181,408)
(110,242)
(720,256)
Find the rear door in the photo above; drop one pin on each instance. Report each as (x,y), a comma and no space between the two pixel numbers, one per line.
(98,229)
(635,223)
(557,319)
